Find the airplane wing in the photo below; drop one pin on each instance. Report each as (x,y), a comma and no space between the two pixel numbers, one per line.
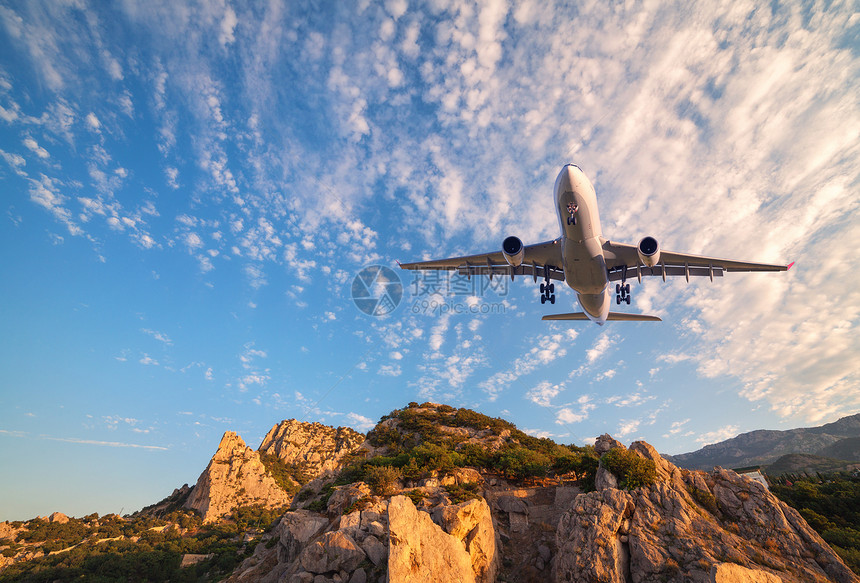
(621,257)
(619,316)
(538,259)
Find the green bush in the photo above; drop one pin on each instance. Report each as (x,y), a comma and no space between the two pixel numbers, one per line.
(704,498)
(417,496)
(382,479)
(463,493)
(520,463)
(631,470)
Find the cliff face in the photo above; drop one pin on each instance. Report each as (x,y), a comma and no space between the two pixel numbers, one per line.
(234,477)
(314,447)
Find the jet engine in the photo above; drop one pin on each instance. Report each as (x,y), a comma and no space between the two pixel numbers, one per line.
(649,251)
(513,250)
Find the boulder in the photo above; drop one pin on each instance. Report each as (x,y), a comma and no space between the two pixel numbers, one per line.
(732,573)
(334,551)
(295,530)
(420,551)
(472,523)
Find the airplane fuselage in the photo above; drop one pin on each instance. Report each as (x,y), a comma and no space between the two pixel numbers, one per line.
(582,242)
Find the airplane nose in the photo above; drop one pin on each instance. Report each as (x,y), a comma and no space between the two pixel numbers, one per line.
(568,176)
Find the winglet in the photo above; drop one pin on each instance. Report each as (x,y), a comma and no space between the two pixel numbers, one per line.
(789,266)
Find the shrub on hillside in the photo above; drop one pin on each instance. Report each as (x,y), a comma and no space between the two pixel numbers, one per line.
(382,479)
(520,463)
(631,470)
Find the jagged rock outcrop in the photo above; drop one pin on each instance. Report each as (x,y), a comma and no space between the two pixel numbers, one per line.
(314,447)
(234,477)
(58,517)
(686,527)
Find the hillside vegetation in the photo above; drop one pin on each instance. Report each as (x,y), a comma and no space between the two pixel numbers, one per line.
(143,548)
(421,439)
(831,505)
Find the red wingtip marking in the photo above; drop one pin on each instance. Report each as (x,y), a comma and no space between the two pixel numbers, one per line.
(789,266)
(398,262)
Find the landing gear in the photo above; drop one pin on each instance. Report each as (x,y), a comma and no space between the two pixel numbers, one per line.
(622,292)
(547,290)
(572,207)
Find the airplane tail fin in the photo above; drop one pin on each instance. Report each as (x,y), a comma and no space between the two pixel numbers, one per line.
(617,316)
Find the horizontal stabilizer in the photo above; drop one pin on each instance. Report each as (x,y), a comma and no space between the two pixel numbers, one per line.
(620,316)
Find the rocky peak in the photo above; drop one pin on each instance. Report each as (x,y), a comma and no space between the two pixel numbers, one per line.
(313,447)
(234,477)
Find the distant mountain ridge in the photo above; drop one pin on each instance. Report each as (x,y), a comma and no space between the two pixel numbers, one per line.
(763,447)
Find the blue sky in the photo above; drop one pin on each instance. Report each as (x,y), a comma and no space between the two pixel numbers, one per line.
(190,188)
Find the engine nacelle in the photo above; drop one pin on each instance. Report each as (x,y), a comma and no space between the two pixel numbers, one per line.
(513,250)
(649,251)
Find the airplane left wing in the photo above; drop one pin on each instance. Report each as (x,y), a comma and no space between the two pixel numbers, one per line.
(538,260)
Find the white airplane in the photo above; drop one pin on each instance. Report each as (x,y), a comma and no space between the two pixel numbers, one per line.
(585,260)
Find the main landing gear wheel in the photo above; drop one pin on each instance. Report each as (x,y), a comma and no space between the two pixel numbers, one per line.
(617,300)
(547,290)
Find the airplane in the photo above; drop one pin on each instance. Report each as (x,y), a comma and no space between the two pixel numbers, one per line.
(585,260)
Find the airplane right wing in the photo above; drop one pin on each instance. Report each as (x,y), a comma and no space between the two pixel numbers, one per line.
(622,261)
(539,260)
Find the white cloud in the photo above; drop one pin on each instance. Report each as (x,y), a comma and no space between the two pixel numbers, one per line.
(543,393)
(575,414)
(93,122)
(360,422)
(34,147)
(161,337)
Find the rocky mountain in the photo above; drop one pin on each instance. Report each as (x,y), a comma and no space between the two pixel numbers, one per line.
(381,523)
(313,448)
(239,476)
(435,493)
(763,447)
(234,477)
